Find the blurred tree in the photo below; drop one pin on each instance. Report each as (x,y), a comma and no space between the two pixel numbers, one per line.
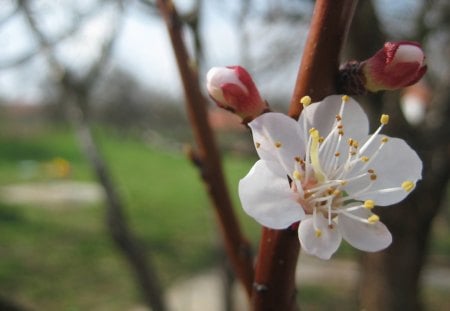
(75,85)
(391,279)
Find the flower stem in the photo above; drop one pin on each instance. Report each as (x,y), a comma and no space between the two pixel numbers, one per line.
(274,287)
(207,156)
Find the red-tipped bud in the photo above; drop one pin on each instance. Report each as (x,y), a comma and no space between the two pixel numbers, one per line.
(396,65)
(232,88)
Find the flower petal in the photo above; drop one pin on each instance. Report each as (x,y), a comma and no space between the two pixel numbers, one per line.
(363,236)
(395,163)
(322,116)
(277,138)
(322,245)
(268,198)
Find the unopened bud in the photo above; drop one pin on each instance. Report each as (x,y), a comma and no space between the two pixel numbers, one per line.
(232,88)
(396,65)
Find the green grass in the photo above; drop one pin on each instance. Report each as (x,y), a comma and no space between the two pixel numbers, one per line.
(60,258)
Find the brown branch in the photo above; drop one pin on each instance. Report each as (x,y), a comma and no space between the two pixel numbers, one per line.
(278,253)
(238,249)
(320,62)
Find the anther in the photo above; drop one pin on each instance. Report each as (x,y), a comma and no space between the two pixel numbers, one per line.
(408,185)
(278,144)
(257,145)
(305,101)
(369,204)
(373,176)
(373,219)
(384,119)
(345,98)
(297,175)
(384,140)
(318,233)
(364,159)
(337,154)
(338,117)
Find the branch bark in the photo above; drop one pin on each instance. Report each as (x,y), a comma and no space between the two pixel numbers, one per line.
(207,156)
(278,253)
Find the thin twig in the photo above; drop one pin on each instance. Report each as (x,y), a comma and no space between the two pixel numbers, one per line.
(208,159)
(278,253)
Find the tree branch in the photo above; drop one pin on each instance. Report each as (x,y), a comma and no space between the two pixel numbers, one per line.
(320,62)
(208,159)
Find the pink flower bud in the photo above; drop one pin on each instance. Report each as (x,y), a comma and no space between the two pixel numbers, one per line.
(232,88)
(396,65)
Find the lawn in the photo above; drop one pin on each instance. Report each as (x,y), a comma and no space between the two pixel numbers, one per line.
(61,258)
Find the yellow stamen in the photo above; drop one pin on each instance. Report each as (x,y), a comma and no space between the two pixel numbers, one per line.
(373,177)
(369,204)
(345,98)
(408,185)
(257,145)
(314,155)
(278,144)
(318,233)
(305,101)
(373,219)
(384,119)
(384,140)
(364,159)
(297,175)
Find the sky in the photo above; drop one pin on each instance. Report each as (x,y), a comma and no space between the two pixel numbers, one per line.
(143,47)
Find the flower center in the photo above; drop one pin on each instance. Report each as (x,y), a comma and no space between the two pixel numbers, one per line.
(321,177)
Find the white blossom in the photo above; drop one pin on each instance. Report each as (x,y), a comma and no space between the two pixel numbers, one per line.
(327,172)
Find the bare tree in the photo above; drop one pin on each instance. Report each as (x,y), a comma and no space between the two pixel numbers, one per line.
(75,93)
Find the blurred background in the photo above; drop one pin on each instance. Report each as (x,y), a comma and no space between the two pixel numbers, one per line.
(92,112)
